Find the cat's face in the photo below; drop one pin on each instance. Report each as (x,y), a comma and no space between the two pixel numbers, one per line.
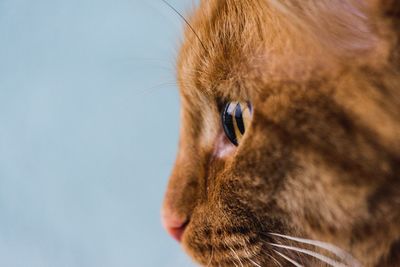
(316,153)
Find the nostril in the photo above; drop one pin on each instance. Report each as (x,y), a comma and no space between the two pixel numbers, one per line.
(174,226)
(177,232)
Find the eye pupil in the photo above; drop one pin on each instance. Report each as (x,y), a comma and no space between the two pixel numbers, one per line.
(236,117)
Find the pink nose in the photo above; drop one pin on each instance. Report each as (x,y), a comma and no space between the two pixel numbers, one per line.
(174,225)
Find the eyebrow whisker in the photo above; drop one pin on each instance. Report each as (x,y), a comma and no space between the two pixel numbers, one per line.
(186,21)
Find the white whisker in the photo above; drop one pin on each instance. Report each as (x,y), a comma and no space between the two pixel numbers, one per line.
(254,263)
(329,247)
(211,257)
(316,255)
(275,260)
(249,255)
(237,256)
(295,263)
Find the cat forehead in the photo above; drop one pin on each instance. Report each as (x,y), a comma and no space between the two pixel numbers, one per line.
(237,48)
(221,50)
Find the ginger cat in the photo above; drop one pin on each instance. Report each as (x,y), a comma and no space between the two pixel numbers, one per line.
(290,140)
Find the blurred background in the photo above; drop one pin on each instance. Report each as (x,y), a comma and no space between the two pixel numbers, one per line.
(89,115)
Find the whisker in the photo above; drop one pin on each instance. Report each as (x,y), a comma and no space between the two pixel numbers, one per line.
(316,255)
(237,256)
(275,260)
(187,23)
(329,247)
(249,254)
(211,257)
(254,263)
(295,263)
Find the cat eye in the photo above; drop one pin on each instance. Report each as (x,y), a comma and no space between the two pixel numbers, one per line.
(236,118)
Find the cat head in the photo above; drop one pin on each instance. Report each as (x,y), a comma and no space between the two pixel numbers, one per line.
(290,137)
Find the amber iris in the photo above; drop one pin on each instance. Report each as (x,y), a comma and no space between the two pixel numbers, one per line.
(236,118)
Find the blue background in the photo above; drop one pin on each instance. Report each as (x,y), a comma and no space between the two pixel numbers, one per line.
(88,131)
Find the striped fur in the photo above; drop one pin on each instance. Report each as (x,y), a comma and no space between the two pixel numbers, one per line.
(321,158)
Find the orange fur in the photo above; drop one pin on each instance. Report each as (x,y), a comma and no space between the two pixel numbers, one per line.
(321,158)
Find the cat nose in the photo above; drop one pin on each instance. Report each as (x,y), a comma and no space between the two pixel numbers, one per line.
(174,225)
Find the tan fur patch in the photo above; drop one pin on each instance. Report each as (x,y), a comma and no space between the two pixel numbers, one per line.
(321,158)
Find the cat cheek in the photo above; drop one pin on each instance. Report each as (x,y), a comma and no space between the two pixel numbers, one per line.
(223,147)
